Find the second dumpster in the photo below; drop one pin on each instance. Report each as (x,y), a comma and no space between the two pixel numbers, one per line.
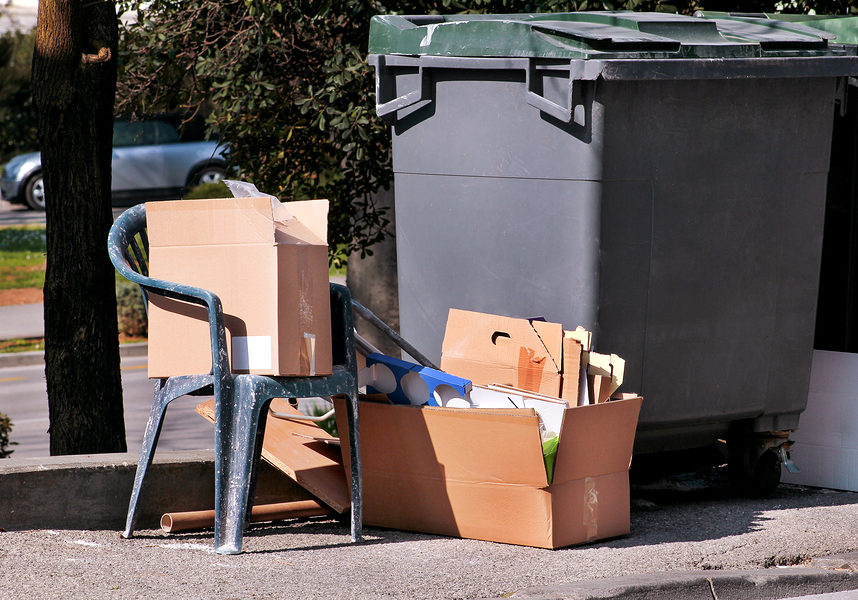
(658,179)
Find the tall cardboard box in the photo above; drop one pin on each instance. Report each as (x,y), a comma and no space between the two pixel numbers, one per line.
(480,473)
(268,263)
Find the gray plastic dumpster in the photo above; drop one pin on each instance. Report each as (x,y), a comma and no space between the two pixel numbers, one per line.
(837,306)
(656,178)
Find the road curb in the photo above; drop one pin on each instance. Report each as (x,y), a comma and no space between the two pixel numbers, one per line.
(21,359)
(37,492)
(821,577)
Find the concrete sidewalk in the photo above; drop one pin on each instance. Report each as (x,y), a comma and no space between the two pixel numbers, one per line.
(22,321)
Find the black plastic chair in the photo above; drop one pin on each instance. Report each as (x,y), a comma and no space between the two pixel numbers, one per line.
(240,400)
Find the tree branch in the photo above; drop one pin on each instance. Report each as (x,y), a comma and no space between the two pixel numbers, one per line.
(102,56)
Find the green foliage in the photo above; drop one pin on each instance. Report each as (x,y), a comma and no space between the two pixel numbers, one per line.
(208,190)
(22,257)
(287,84)
(23,239)
(5,430)
(17,122)
(330,424)
(130,309)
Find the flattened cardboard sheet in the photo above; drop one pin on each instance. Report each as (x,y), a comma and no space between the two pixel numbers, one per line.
(294,448)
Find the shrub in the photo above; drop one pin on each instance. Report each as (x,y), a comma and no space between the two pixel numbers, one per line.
(208,190)
(130,310)
(5,429)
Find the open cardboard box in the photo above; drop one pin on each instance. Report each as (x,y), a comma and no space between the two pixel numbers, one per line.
(480,473)
(268,263)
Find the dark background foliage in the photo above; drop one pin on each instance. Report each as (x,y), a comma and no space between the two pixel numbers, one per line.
(17,124)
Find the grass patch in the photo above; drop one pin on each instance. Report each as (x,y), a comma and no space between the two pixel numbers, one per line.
(38,344)
(22,257)
(22,345)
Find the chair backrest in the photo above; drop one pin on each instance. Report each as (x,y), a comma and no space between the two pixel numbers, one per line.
(128,244)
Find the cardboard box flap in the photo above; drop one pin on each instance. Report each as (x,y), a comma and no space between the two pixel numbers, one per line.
(294,231)
(462,444)
(596,439)
(495,349)
(466,445)
(313,214)
(230,221)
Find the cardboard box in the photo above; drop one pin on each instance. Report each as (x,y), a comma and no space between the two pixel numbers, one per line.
(268,263)
(480,473)
(494,349)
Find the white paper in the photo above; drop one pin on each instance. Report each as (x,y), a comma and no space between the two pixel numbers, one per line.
(251,352)
(550,412)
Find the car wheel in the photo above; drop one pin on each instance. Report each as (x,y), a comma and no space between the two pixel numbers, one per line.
(209,174)
(34,192)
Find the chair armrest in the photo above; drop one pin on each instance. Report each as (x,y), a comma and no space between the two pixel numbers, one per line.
(122,233)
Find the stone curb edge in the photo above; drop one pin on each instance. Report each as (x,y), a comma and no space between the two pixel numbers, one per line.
(21,359)
(824,575)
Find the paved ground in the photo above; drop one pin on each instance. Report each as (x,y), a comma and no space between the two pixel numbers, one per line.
(689,537)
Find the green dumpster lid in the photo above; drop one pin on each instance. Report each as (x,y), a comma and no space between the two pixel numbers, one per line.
(842,29)
(594,35)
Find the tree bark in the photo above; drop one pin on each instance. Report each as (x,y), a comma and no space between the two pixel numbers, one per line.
(74,83)
(373,282)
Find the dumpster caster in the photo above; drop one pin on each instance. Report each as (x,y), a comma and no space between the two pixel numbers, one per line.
(755,462)
(766,475)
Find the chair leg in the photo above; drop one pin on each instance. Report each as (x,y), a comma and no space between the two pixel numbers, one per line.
(354,454)
(163,394)
(257,455)
(236,445)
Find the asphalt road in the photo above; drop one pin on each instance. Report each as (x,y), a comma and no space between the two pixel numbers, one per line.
(16,214)
(23,397)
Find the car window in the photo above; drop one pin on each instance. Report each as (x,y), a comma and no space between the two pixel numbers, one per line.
(165,133)
(143,133)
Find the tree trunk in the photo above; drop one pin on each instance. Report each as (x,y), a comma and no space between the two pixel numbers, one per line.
(74,83)
(373,282)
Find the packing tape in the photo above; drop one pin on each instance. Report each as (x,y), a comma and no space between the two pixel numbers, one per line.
(309,352)
(591,508)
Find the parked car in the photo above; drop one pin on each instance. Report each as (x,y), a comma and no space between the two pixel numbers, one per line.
(149,160)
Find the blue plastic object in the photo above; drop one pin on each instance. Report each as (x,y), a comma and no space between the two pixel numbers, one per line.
(409,383)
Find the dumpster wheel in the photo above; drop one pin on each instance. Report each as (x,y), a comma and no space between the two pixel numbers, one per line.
(755,461)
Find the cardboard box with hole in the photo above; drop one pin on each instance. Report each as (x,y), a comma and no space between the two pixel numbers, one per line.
(480,473)
(268,263)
